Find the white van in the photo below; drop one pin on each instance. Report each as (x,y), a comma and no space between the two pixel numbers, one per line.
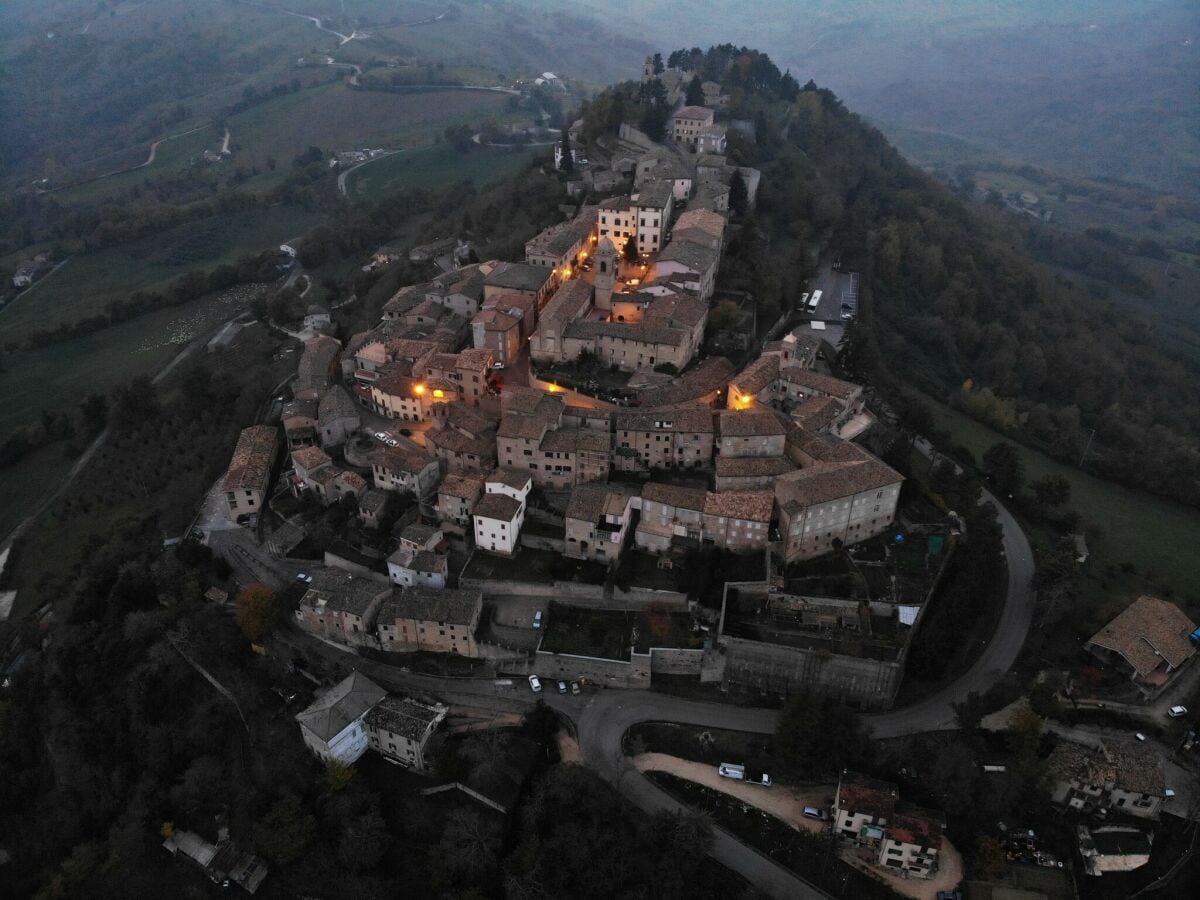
(534,684)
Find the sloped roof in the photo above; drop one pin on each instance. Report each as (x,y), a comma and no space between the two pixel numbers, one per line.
(518,277)
(501,507)
(455,606)
(336,404)
(860,794)
(252,458)
(340,705)
(1147,632)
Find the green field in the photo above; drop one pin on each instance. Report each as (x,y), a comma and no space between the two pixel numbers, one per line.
(433,167)
(173,154)
(60,376)
(1157,536)
(333,117)
(86,284)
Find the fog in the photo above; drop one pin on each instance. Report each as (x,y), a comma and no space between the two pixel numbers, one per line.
(1098,88)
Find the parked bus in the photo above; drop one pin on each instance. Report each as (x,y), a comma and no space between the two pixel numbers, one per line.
(814,301)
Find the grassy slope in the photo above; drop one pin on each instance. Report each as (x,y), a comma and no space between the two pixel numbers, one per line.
(86,284)
(432,167)
(1138,528)
(334,117)
(60,376)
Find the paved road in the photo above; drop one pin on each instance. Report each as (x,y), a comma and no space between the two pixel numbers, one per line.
(936,713)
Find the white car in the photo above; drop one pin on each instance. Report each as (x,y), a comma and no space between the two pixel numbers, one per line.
(306,579)
(498,365)
(1139,735)
(1176,711)
(392,442)
(382,435)
(534,684)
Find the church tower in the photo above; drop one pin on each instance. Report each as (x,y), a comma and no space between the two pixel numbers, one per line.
(606,273)
(648,68)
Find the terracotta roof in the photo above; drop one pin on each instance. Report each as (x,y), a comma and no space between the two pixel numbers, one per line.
(252,458)
(753,506)
(696,257)
(517,426)
(751,466)
(351,481)
(689,420)
(703,219)
(675,495)
(513,478)
(336,404)
(494,320)
(832,481)
(468,487)
(518,277)
(816,413)
(694,112)
(1148,632)
(340,705)
(591,501)
(826,384)
(829,449)
(749,423)
(917,827)
(455,606)
(641,333)
(860,794)
(710,375)
(559,239)
(497,506)
(401,459)
(475,359)
(572,440)
(654,193)
(309,458)
(454,441)
(566,303)
(678,311)
(758,375)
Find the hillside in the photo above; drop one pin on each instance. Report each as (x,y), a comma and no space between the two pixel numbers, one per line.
(101,81)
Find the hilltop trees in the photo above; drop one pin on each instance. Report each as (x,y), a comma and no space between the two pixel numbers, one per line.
(695,92)
(256,611)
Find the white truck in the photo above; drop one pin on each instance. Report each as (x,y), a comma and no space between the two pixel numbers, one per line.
(738,773)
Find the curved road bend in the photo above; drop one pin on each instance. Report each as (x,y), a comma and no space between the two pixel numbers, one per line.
(936,713)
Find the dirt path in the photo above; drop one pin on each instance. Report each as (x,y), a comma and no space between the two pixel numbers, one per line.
(947,877)
(783,802)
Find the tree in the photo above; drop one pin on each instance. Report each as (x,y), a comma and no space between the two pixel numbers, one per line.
(990,857)
(1024,739)
(363,841)
(630,251)
(567,162)
(821,734)
(1051,490)
(723,317)
(914,418)
(256,610)
(94,414)
(1002,464)
(470,845)
(658,64)
(695,92)
(739,199)
(282,834)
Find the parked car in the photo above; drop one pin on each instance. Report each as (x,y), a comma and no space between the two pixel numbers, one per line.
(815,812)
(574,687)
(306,579)
(537,619)
(1139,735)
(562,687)
(498,365)
(534,684)
(1176,711)
(392,442)
(382,435)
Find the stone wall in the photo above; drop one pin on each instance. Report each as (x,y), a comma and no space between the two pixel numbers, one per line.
(675,661)
(610,672)
(773,667)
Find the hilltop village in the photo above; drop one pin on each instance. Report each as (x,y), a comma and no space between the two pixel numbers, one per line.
(556,470)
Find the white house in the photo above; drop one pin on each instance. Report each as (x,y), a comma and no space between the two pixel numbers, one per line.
(500,513)
(333,726)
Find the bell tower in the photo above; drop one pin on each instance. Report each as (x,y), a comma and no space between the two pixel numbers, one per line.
(606,273)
